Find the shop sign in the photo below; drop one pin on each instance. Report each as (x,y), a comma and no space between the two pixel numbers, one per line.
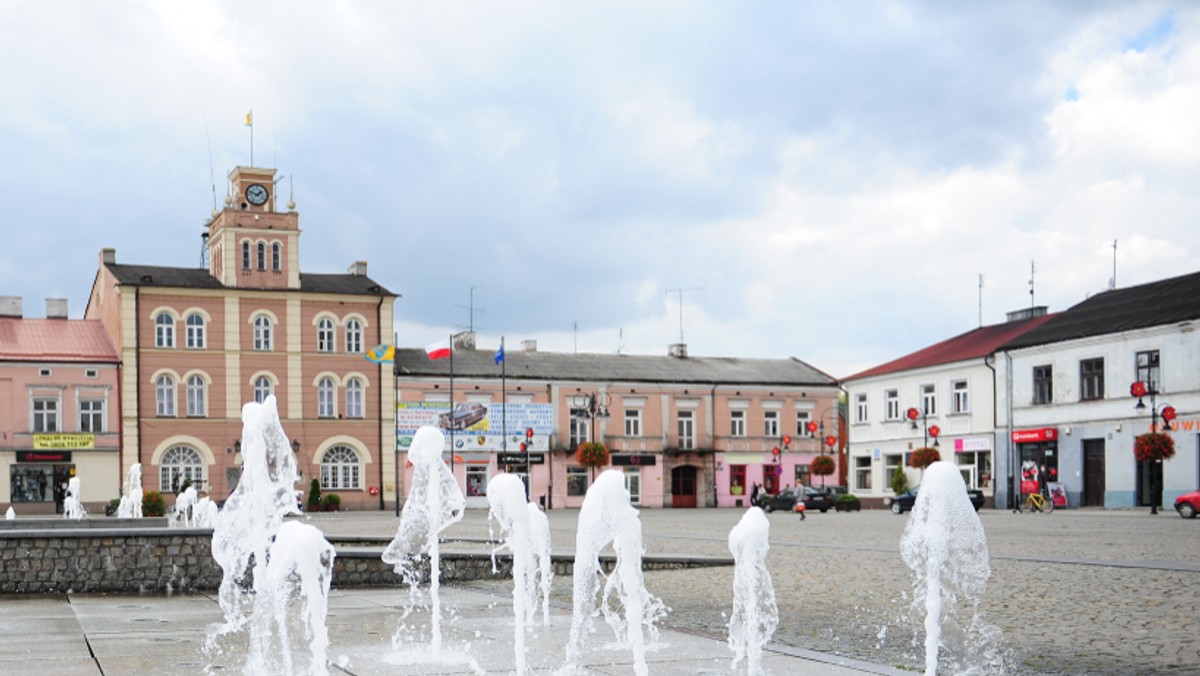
(519,458)
(634,460)
(43,456)
(1033,436)
(49,441)
(972,444)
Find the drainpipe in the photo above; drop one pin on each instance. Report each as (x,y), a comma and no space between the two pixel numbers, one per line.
(989,361)
(379,398)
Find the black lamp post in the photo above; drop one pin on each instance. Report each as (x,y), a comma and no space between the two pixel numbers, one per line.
(930,430)
(589,407)
(1139,390)
(526,447)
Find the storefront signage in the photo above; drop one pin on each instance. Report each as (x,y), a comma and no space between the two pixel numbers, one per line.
(43,456)
(478,427)
(64,441)
(519,458)
(972,444)
(634,460)
(1033,436)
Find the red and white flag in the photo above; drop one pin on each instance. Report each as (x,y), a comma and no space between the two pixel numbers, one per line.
(438,350)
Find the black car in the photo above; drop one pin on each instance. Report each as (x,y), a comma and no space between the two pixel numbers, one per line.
(904,502)
(786,500)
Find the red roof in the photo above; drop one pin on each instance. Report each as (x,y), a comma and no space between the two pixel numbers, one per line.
(55,340)
(974,344)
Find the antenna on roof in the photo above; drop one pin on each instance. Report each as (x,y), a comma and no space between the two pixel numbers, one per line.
(1031,297)
(981,299)
(620,339)
(680,292)
(1112,283)
(471,309)
(212,174)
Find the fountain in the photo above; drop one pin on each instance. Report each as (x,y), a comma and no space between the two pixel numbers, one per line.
(130,506)
(72,504)
(434,503)
(944,546)
(755,615)
(183,506)
(607,517)
(205,513)
(539,536)
(10,514)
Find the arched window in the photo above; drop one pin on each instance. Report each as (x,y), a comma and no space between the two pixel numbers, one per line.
(354,398)
(325,335)
(262,333)
(164,330)
(196,407)
(164,396)
(262,255)
(262,389)
(276,256)
(180,463)
(195,331)
(325,394)
(245,255)
(354,336)
(339,468)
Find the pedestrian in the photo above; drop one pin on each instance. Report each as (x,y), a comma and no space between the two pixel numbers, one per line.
(754,496)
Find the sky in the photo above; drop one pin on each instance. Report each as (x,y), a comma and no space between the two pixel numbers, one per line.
(843,183)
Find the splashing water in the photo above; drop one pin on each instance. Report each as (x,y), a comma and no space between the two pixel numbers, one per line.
(506,496)
(10,514)
(539,539)
(72,505)
(130,506)
(944,546)
(435,503)
(755,615)
(205,513)
(183,507)
(607,516)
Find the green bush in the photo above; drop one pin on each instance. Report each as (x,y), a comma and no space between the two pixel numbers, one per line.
(153,504)
(899,481)
(848,498)
(314,493)
(332,502)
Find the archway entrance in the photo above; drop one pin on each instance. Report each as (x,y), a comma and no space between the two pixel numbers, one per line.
(683,486)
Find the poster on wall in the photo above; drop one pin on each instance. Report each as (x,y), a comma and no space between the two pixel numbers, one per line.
(1058,493)
(477,426)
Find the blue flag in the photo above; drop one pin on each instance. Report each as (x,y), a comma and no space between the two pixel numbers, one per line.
(500,354)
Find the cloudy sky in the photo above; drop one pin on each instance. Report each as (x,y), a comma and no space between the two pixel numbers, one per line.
(827,181)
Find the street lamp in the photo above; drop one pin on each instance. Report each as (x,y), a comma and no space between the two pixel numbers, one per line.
(1140,389)
(526,447)
(589,407)
(930,430)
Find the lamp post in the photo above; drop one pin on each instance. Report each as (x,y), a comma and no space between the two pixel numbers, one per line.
(1140,389)
(526,447)
(827,442)
(930,430)
(589,407)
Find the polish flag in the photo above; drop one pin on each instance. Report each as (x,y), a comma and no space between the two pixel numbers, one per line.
(438,350)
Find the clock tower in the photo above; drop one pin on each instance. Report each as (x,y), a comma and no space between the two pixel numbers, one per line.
(250,243)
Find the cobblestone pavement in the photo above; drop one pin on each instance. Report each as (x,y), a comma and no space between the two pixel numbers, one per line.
(1073,592)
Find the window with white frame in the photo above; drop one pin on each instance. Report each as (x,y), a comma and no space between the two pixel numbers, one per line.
(891,404)
(633,422)
(180,464)
(164,330)
(91,415)
(686,421)
(929,399)
(196,399)
(262,388)
(245,255)
(194,327)
(340,468)
(325,335)
(771,423)
(164,396)
(860,408)
(962,401)
(862,473)
(577,480)
(737,423)
(325,397)
(578,432)
(262,333)
(892,463)
(45,415)
(802,420)
(354,398)
(276,256)
(354,336)
(1148,370)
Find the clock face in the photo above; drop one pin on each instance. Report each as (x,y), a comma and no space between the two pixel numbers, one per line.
(256,194)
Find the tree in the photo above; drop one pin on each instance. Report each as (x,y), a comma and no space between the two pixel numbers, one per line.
(899,481)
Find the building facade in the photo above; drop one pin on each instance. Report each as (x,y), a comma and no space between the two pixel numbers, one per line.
(686,431)
(197,343)
(59,409)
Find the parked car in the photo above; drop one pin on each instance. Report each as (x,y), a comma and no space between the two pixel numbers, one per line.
(1188,504)
(793,500)
(905,501)
(818,499)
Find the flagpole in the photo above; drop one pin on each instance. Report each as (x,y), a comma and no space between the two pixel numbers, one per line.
(452,407)
(503,396)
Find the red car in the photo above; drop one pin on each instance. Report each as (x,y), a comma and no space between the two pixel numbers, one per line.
(1187,504)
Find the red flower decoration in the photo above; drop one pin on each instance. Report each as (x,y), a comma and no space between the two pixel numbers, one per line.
(913,413)
(591,454)
(924,457)
(1153,446)
(1138,389)
(822,465)
(934,431)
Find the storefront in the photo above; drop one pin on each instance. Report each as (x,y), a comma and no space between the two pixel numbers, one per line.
(39,479)
(1037,459)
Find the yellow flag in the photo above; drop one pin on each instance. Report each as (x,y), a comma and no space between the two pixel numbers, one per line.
(250,118)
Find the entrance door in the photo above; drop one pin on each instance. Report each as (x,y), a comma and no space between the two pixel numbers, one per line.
(683,486)
(633,482)
(1093,472)
(1149,482)
(771,479)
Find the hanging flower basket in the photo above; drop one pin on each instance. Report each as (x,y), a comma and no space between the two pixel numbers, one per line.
(924,457)
(1153,446)
(822,465)
(591,454)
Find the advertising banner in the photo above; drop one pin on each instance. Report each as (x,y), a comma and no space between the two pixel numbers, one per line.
(56,441)
(476,426)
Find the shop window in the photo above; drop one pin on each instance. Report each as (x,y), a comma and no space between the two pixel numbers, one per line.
(340,469)
(31,483)
(893,463)
(477,477)
(862,473)
(803,475)
(577,480)
(1043,385)
(737,480)
(180,464)
(1091,379)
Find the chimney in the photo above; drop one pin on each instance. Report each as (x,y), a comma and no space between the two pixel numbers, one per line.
(108,256)
(1026,313)
(56,308)
(529,345)
(10,306)
(358,268)
(677,350)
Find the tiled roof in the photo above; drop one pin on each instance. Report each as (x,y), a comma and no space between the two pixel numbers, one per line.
(198,278)
(614,367)
(55,340)
(974,344)
(1168,301)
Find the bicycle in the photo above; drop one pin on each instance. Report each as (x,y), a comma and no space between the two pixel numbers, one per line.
(1036,502)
